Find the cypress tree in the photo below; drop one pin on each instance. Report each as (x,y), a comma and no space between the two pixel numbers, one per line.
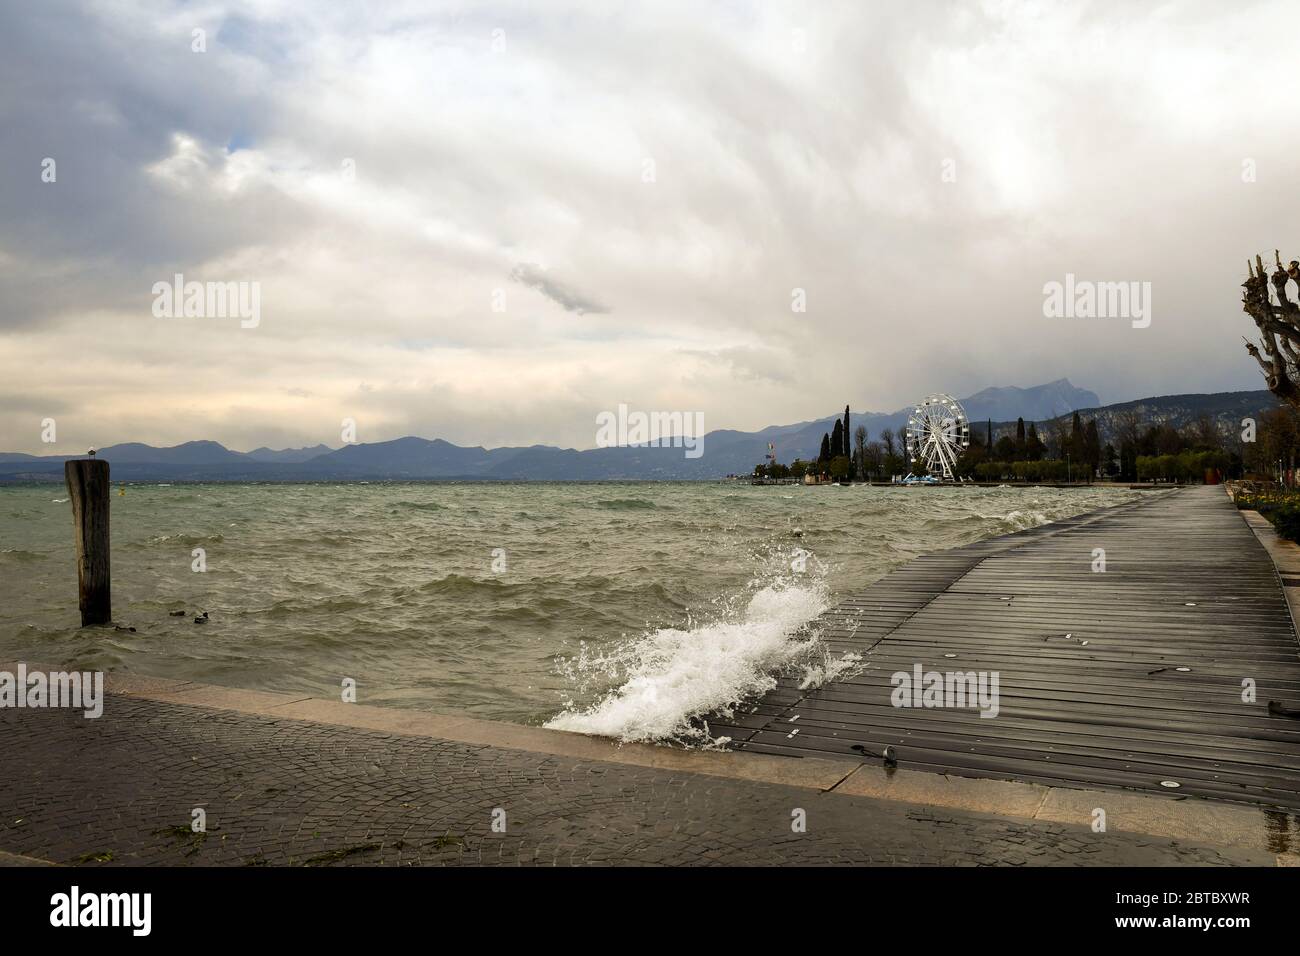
(837,439)
(826,448)
(1020,437)
(988,445)
(848,439)
(1033,444)
(1092,447)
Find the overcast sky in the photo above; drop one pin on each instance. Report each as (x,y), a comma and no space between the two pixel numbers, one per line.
(641,186)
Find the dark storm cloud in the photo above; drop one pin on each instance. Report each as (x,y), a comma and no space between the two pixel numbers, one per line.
(570,300)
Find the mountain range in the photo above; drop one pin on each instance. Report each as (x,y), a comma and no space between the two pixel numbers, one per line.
(725,451)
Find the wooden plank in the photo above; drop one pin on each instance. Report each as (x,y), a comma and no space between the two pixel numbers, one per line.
(1186,584)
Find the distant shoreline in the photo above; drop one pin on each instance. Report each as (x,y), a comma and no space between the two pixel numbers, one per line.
(57,480)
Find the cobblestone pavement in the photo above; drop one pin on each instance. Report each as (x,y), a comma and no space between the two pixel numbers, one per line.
(121,789)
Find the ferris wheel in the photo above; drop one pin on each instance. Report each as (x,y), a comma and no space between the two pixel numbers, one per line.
(937,433)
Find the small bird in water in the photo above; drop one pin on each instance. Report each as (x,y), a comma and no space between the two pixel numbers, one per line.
(203,619)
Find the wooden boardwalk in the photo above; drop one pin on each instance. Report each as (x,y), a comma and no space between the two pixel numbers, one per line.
(1187,585)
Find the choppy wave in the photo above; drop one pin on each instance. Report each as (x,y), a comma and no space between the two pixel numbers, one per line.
(18,554)
(460,584)
(626,504)
(1022,520)
(670,676)
(315,609)
(177,540)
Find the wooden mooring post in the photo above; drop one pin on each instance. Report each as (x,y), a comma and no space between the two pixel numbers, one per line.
(88,488)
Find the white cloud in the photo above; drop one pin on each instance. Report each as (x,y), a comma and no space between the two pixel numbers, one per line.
(793,146)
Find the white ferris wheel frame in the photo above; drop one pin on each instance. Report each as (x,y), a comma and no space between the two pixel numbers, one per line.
(938,431)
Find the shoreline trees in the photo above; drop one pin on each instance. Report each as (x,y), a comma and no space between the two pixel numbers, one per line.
(1134,451)
(1158,452)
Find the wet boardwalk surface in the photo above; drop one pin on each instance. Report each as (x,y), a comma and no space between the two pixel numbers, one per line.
(1147,687)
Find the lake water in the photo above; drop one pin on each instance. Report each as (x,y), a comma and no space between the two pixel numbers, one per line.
(621,608)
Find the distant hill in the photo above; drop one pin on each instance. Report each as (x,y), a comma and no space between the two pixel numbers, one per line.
(1227,409)
(289,454)
(1032,404)
(726,451)
(190,453)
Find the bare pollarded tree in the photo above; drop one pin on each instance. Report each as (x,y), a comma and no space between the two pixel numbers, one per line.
(1278,323)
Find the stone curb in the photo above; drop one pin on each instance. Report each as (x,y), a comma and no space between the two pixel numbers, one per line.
(1285,555)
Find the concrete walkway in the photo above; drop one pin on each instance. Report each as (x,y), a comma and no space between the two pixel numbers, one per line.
(283,790)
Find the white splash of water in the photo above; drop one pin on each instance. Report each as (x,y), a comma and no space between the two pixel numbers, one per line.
(829,669)
(1021,520)
(671,675)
